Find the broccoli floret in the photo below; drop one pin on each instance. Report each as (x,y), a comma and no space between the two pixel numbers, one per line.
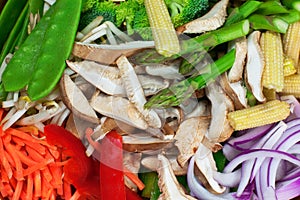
(141,24)
(183,11)
(125,14)
(107,9)
(87,4)
(133,14)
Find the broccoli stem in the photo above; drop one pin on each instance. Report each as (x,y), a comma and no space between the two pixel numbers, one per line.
(181,91)
(294,4)
(291,17)
(213,38)
(242,12)
(202,42)
(259,22)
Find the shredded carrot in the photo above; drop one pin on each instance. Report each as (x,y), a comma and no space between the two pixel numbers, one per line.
(30,167)
(75,196)
(19,169)
(37,181)
(134,178)
(29,189)
(18,190)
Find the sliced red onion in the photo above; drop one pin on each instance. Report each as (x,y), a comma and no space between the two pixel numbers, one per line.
(251,134)
(289,191)
(294,104)
(228,179)
(198,191)
(258,153)
(230,152)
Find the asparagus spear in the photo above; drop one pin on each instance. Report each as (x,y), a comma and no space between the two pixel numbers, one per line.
(202,42)
(181,91)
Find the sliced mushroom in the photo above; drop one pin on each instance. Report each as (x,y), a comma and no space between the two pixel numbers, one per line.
(189,136)
(76,101)
(255,66)
(104,77)
(212,20)
(135,92)
(118,108)
(207,166)
(151,163)
(219,128)
(107,54)
(167,71)
(167,182)
(144,142)
(235,91)
(201,109)
(236,71)
(152,84)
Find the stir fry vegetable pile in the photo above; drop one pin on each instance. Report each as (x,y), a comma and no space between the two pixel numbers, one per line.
(149,99)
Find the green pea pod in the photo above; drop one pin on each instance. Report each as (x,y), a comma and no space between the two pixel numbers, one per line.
(40,61)
(11,40)
(9,16)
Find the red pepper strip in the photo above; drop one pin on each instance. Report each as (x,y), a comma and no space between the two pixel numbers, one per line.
(79,170)
(131,195)
(112,185)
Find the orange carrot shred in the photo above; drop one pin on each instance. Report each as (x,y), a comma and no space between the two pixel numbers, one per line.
(47,174)
(25,159)
(36,156)
(57,174)
(38,147)
(18,190)
(29,189)
(75,196)
(5,162)
(134,178)
(29,129)
(18,165)
(37,182)
(38,166)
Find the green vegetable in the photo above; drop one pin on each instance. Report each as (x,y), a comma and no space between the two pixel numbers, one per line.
(242,12)
(133,14)
(220,160)
(271,8)
(181,91)
(262,22)
(291,17)
(199,43)
(107,9)
(12,38)
(293,4)
(183,11)
(151,190)
(9,16)
(3,93)
(40,61)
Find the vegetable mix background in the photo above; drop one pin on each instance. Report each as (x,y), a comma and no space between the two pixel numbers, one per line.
(149,99)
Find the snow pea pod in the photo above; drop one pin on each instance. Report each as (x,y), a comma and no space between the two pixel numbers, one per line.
(40,61)
(9,16)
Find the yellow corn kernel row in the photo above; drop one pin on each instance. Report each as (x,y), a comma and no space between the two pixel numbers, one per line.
(292,85)
(288,67)
(259,115)
(163,31)
(291,43)
(272,49)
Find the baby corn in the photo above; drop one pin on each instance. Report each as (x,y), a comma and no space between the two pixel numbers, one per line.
(292,85)
(259,115)
(288,66)
(291,43)
(163,31)
(271,46)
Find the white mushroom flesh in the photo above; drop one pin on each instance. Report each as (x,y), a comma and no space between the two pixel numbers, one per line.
(168,183)
(135,92)
(255,66)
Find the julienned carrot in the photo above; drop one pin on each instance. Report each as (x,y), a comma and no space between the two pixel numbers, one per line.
(134,178)
(30,167)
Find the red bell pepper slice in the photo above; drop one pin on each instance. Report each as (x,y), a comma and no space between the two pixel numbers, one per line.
(79,170)
(112,185)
